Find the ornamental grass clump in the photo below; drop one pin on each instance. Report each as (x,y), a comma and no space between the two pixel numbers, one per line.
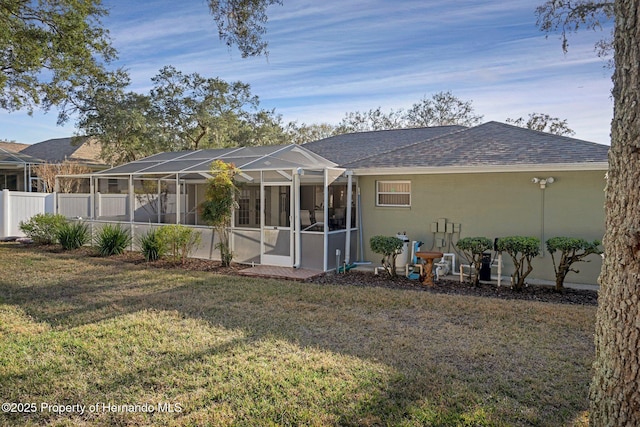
(112,240)
(571,250)
(522,250)
(389,248)
(152,246)
(73,235)
(472,248)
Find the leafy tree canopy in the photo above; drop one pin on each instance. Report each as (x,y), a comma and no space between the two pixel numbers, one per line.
(181,112)
(442,109)
(570,16)
(48,48)
(242,23)
(544,123)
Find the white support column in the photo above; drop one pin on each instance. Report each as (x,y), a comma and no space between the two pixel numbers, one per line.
(132,198)
(347,240)
(92,198)
(177,198)
(296,217)
(5,214)
(159,202)
(325,207)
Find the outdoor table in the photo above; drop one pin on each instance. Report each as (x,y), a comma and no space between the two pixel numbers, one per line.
(428,257)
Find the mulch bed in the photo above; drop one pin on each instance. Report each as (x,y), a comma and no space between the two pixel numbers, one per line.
(367,279)
(454,287)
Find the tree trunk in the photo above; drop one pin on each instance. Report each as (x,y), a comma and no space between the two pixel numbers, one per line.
(615,389)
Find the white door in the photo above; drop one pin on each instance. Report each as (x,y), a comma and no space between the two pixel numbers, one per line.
(277,236)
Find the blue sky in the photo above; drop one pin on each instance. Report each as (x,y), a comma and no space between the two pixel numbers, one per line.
(331,57)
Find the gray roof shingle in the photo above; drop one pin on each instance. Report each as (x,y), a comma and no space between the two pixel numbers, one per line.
(61,149)
(352,147)
(486,145)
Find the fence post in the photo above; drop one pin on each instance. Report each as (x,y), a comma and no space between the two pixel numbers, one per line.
(5,213)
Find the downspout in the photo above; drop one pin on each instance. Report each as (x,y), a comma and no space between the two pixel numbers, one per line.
(296,217)
(347,240)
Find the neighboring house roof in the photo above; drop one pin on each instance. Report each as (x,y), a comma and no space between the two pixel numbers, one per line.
(490,146)
(14,147)
(351,147)
(12,158)
(61,149)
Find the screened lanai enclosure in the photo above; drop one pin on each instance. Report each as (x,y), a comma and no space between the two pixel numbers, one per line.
(294,208)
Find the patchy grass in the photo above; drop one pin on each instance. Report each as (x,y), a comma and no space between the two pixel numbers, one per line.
(223,350)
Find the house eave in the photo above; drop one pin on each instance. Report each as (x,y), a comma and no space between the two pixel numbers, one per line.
(440,170)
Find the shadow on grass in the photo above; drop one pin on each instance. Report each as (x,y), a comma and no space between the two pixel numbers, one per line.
(453,360)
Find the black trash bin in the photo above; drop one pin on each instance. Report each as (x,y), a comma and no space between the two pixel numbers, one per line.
(485,268)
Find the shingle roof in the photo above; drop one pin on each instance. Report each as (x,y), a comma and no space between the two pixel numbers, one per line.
(351,147)
(486,145)
(61,149)
(14,147)
(8,157)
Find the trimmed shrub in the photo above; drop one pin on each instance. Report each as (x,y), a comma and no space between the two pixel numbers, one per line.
(472,248)
(43,228)
(389,248)
(571,250)
(522,250)
(151,246)
(73,235)
(179,240)
(112,240)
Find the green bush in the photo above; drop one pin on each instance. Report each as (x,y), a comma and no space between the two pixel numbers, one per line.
(389,248)
(74,235)
(472,248)
(522,250)
(571,250)
(151,246)
(179,240)
(112,240)
(43,228)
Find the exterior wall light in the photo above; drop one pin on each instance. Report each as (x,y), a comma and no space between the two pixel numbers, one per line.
(543,182)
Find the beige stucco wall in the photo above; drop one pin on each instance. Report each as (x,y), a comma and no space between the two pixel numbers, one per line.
(495,205)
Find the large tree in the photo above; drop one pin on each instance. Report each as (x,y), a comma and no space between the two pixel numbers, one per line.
(48,48)
(196,112)
(181,112)
(615,391)
(441,109)
(544,123)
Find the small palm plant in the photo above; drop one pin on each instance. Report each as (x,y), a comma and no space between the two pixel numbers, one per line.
(112,240)
(152,246)
(73,235)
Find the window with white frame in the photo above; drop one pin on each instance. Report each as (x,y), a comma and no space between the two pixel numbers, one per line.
(393,193)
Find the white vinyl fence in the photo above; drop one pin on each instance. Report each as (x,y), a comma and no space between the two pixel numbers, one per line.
(16,206)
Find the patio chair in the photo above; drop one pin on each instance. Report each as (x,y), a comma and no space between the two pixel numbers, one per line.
(305,219)
(313,223)
(318,215)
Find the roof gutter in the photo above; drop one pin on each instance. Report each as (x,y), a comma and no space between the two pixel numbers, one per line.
(546,167)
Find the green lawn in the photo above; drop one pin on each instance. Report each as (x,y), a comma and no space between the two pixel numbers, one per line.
(218,350)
